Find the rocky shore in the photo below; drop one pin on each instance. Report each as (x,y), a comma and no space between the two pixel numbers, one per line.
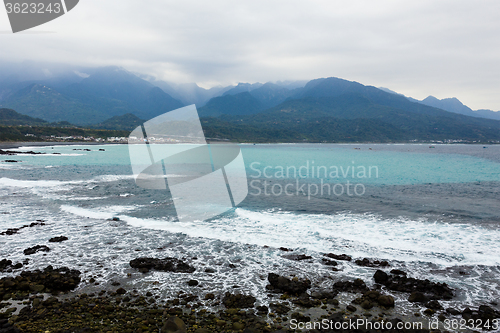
(53,300)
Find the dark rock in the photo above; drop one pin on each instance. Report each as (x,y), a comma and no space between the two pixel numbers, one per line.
(238,301)
(483,316)
(6,265)
(386,300)
(344,257)
(285,249)
(323,294)
(102,149)
(398,272)
(418,297)
(7,327)
(209,270)
(453,312)
(192,283)
(50,279)
(209,296)
(351,308)
(367,305)
(485,310)
(58,239)
(283,284)
(12,152)
(380,277)
(429,312)
(306,302)
(367,263)
(11,161)
(434,305)
(279,308)
(372,298)
(262,309)
(164,265)
(174,325)
(13,231)
(35,249)
(121,291)
(402,283)
(300,317)
(60,279)
(356,286)
(297,257)
(328,262)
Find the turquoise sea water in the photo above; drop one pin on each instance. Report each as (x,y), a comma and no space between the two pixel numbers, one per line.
(396,164)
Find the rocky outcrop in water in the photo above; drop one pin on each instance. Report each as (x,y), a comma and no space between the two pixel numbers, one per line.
(422,290)
(165,265)
(35,249)
(12,152)
(369,263)
(484,316)
(13,231)
(344,257)
(58,239)
(49,280)
(297,257)
(374,298)
(7,265)
(356,286)
(238,301)
(282,284)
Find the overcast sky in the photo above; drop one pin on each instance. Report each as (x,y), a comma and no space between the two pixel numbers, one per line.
(418,48)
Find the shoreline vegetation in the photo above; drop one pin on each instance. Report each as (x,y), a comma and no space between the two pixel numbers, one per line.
(272,128)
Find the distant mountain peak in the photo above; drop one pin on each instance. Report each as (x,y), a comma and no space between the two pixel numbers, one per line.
(448,104)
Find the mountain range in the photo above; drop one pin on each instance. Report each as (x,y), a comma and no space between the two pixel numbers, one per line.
(327,109)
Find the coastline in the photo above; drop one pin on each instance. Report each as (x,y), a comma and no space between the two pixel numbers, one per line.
(17,144)
(292,307)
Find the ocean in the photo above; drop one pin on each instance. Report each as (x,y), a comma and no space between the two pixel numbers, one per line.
(430,210)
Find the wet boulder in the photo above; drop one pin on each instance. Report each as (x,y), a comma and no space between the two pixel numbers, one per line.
(7,265)
(344,257)
(58,239)
(174,325)
(165,265)
(380,277)
(297,257)
(238,301)
(403,283)
(369,263)
(35,249)
(356,286)
(293,286)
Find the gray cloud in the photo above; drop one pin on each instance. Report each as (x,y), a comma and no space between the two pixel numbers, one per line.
(443,48)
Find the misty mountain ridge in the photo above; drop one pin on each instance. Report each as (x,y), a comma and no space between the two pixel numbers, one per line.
(321,110)
(450,104)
